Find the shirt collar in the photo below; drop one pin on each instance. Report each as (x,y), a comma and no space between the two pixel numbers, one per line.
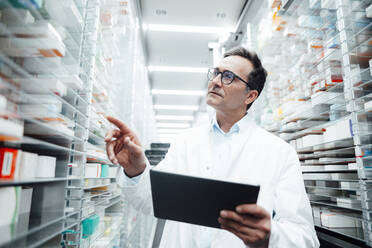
(242,124)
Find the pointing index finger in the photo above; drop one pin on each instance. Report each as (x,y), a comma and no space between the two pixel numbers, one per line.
(121,125)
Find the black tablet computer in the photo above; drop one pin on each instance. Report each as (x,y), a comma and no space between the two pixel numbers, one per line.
(196,200)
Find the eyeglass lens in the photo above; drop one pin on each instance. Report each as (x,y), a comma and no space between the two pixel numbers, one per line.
(227,77)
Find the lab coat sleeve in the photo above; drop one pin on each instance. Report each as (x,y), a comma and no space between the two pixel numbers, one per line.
(137,191)
(292,225)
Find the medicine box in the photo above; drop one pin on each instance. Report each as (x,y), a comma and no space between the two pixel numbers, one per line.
(352,185)
(9,159)
(312,140)
(24,209)
(346,176)
(104,170)
(369,11)
(12,16)
(9,207)
(42,85)
(22,4)
(3,102)
(335,167)
(42,65)
(27,165)
(332,219)
(323,97)
(65,12)
(92,170)
(317,176)
(72,81)
(50,128)
(10,129)
(112,172)
(46,167)
(89,225)
(41,110)
(29,47)
(38,29)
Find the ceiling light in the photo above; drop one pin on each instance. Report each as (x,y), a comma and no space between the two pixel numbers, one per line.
(166,135)
(187,29)
(173,125)
(169,131)
(177,69)
(179,92)
(175,117)
(176,107)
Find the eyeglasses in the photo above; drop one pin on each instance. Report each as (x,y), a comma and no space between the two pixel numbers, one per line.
(227,77)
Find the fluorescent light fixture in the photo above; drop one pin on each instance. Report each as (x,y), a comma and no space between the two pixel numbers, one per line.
(187,29)
(173,125)
(176,107)
(169,131)
(167,135)
(175,117)
(177,69)
(179,92)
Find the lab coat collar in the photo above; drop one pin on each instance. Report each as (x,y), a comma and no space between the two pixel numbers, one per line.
(240,126)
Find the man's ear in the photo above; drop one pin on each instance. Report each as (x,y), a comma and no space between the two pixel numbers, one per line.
(251,96)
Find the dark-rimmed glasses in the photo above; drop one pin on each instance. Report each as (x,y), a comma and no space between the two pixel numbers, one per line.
(227,77)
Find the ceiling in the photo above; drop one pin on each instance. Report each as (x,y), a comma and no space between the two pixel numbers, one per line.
(177,34)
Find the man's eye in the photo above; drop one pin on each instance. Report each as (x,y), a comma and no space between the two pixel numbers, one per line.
(228,75)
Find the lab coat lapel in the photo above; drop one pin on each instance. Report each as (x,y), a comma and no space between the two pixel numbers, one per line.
(238,146)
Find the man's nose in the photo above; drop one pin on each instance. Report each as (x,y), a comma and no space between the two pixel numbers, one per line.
(217,80)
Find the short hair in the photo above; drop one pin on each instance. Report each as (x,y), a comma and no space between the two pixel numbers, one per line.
(257,77)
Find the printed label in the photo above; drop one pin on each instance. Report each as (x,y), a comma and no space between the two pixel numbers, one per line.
(7,164)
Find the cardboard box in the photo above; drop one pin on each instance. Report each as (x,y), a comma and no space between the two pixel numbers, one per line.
(46,167)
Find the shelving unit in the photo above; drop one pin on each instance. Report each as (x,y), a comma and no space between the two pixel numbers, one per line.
(65,66)
(318,98)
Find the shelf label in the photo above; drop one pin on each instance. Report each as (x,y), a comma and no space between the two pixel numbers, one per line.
(7,164)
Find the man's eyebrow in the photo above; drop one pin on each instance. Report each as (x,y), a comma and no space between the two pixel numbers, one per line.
(219,69)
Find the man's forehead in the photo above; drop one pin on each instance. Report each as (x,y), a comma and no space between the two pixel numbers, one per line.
(235,63)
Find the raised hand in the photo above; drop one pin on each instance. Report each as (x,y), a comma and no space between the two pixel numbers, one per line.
(123,147)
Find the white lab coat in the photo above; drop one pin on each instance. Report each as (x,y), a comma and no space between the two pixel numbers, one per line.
(262,159)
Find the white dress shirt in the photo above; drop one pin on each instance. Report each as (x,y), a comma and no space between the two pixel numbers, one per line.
(246,154)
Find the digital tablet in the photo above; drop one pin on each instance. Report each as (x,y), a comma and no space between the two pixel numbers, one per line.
(196,200)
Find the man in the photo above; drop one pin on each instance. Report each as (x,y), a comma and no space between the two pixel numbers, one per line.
(231,148)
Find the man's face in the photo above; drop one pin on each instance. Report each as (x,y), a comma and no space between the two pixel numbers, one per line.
(233,96)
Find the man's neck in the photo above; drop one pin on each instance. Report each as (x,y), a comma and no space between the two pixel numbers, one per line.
(227,120)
